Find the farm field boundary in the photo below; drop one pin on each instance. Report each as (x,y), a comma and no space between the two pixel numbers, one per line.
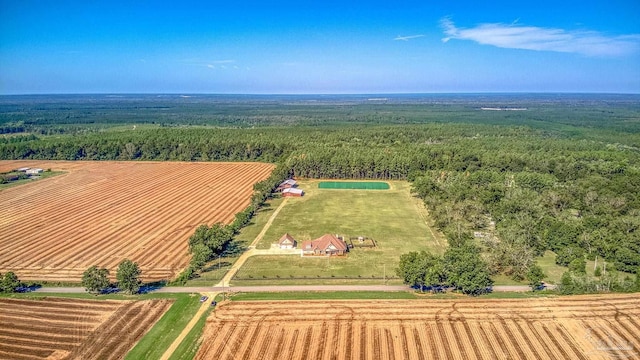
(84,329)
(100,213)
(354,185)
(547,328)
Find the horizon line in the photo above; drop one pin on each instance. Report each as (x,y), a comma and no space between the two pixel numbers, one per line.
(328,94)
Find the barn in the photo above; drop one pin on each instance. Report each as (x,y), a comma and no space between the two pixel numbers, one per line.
(34,171)
(292,192)
(326,245)
(287,184)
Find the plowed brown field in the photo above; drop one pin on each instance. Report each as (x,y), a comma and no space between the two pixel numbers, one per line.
(100,213)
(57,328)
(579,327)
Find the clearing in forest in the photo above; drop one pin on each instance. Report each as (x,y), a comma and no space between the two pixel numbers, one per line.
(390,217)
(578,327)
(100,213)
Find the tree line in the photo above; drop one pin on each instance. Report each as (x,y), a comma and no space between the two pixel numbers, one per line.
(515,191)
(96,279)
(461,267)
(209,242)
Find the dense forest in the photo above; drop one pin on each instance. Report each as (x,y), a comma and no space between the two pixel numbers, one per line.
(562,175)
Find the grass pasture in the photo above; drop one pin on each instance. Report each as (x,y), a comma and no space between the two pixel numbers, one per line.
(392,218)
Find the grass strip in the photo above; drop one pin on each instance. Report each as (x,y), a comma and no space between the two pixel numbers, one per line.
(325,295)
(166,330)
(191,343)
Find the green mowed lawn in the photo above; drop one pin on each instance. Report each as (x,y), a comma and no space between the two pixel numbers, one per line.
(391,217)
(357,267)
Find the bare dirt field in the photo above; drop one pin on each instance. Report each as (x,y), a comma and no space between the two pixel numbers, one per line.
(578,327)
(59,328)
(99,213)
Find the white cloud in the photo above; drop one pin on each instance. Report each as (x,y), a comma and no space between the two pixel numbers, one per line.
(407,38)
(514,36)
(211,64)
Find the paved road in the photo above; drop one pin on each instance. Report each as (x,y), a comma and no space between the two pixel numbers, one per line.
(283,288)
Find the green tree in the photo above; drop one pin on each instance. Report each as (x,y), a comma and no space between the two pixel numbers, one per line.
(568,254)
(535,276)
(128,276)
(95,279)
(410,269)
(201,254)
(435,276)
(215,237)
(578,266)
(637,282)
(421,269)
(10,282)
(199,236)
(466,271)
(218,236)
(598,271)
(567,284)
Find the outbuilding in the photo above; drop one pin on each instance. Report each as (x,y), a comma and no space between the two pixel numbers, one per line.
(34,171)
(287,184)
(292,192)
(287,242)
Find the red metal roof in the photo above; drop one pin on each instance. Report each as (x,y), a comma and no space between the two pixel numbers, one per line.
(324,242)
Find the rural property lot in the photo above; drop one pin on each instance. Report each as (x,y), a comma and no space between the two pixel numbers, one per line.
(393,218)
(59,328)
(100,213)
(578,327)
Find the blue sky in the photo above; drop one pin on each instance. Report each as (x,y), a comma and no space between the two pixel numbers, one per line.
(319,47)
